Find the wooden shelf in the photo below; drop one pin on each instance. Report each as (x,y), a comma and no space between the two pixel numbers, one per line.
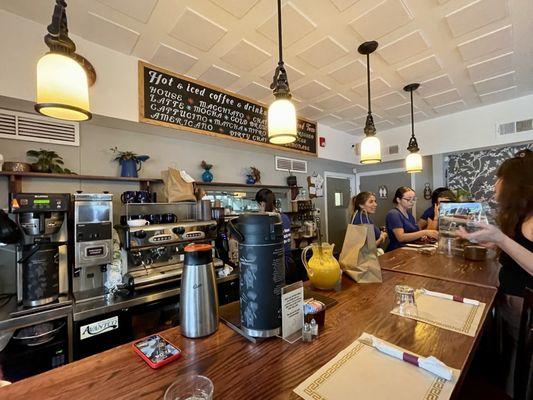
(244,185)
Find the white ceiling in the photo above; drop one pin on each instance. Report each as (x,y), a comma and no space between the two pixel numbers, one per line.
(465,53)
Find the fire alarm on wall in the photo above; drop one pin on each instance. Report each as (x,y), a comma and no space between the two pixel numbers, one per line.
(322,141)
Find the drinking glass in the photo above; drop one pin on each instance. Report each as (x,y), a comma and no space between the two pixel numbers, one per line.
(405,300)
(192,387)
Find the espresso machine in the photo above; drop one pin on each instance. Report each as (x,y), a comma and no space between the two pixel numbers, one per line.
(41,254)
(155,253)
(91,244)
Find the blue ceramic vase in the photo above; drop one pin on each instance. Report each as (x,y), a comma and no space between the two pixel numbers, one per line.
(250,179)
(128,168)
(207,176)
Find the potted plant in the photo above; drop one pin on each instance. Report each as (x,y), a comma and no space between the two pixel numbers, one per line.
(130,163)
(207,175)
(463,194)
(47,161)
(254,176)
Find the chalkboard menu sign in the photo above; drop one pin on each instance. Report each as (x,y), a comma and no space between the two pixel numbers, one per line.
(175,101)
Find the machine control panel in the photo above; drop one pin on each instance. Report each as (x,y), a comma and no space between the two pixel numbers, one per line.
(38,202)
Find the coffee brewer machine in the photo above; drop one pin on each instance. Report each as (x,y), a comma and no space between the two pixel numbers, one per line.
(91,244)
(41,254)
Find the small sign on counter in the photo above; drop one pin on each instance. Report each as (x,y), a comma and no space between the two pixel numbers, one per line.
(292,311)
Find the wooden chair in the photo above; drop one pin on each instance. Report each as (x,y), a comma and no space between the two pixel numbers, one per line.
(523,377)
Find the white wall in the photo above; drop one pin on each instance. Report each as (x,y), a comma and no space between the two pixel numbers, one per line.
(338,145)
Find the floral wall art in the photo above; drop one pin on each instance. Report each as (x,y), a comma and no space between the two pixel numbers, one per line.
(474,172)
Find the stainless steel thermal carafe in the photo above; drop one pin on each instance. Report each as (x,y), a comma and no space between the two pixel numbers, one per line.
(199,297)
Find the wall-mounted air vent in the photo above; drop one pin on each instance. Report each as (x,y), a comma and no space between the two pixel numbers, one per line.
(393,149)
(34,128)
(515,127)
(290,164)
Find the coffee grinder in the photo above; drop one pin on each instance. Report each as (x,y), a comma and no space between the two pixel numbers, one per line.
(41,254)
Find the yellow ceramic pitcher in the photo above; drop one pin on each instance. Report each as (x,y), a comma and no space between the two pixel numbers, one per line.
(323,269)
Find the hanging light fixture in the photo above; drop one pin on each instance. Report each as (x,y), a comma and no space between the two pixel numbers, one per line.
(370,145)
(413,161)
(63,77)
(281,113)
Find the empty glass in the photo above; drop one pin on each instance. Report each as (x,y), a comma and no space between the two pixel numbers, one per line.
(446,245)
(192,387)
(405,300)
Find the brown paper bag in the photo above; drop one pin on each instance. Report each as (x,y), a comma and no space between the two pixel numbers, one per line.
(358,257)
(176,189)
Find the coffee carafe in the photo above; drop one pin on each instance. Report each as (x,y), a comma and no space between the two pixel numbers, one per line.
(199,298)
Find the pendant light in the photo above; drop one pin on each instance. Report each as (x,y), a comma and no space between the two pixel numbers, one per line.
(370,145)
(63,77)
(281,113)
(413,161)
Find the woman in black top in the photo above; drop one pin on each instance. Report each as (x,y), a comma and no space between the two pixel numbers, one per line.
(514,193)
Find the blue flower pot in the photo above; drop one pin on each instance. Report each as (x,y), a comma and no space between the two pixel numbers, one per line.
(128,168)
(207,176)
(250,179)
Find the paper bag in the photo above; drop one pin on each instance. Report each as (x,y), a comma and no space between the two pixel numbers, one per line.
(176,188)
(358,258)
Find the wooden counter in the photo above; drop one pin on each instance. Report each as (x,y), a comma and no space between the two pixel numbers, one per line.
(269,370)
(455,269)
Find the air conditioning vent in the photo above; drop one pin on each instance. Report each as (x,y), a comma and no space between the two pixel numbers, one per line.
(393,149)
(525,125)
(290,164)
(506,129)
(34,128)
(509,128)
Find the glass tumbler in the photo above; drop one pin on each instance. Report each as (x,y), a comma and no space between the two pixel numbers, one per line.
(192,387)
(405,300)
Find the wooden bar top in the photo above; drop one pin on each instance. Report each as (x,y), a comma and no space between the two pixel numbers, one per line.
(455,269)
(240,369)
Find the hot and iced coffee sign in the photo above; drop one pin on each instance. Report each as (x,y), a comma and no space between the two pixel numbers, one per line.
(172,100)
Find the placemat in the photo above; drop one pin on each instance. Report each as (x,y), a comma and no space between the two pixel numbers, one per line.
(362,372)
(447,314)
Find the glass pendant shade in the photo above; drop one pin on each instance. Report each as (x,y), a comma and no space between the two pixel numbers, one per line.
(413,163)
(282,122)
(370,150)
(62,88)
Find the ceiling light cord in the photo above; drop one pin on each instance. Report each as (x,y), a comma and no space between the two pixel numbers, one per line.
(368,81)
(280,81)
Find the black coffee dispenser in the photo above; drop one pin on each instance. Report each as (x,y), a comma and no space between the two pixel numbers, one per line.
(41,254)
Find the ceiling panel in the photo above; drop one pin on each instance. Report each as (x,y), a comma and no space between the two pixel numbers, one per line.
(446,97)
(435,85)
(310,112)
(490,67)
(382,18)
(476,14)
(190,23)
(343,4)
(333,102)
(311,90)
(219,76)
(292,73)
(499,95)
(255,91)
(377,86)
(405,47)
(402,109)
(389,100)
(346,126)
(450,107)
(418,115)
(330,119)
(323,52)
(351,112)
(296,25)
(140,10)
(172,59)
(237,8)
(495,83)
(246,56)
(499,39)
(419,69)
(350,72)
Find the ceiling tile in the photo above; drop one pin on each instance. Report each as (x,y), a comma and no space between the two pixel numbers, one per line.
(330,119)
(292,73)
(355,132)
(450,107)
(384,18)
(499,95)
(405,47)
(255,91)
(336,101)
(490,67)
(495,83)
(174,60)
(296,25)
(499,39)
(350,72)
(385,124)
(362,120)
(446,97)
(139,10)
(310,112)
(343,4)
(475,15)
(237,8)
(311,90)
(323,52)
(389,100)
(400,110)
(246,56)
(107,33)
(352,112)
(218,76)
(346,125)
(419,116)
(377,86)
(421,68)
(435,85)
(188,26)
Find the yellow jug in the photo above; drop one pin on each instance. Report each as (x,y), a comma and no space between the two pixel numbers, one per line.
(323,269)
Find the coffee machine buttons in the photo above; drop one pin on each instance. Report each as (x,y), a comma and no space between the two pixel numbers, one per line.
(193,235)
(161,238)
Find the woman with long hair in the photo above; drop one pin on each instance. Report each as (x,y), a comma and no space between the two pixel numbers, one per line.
(362,205)
(514,237)
(401,225)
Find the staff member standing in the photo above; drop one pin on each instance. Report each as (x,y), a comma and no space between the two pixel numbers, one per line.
(401,225)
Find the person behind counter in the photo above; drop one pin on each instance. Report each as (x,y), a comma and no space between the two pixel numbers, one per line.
(430,217)
(267,202)
(514,193)
(401,225)
(364,204)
